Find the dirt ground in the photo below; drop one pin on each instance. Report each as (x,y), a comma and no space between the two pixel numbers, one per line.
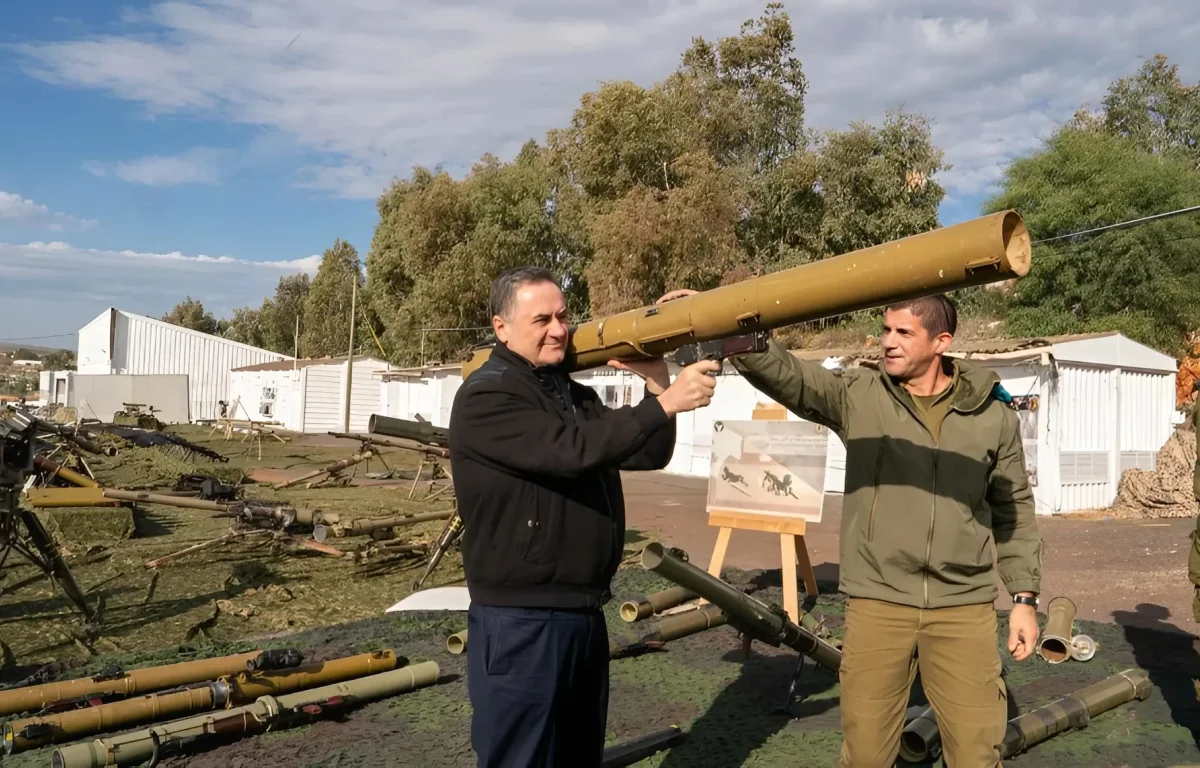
(1127,578)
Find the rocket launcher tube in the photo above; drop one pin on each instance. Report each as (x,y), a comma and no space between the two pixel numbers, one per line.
(37,697)
(685,624)
(21,735)
(744,612)
(137,747)
(1073,711)
(1055,643)
(988,249)
(657,602)
(920,737)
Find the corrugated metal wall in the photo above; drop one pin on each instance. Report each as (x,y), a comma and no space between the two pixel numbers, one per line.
(144,345)
(1109,420)
(1147,402)
(1087,404)
(322,398)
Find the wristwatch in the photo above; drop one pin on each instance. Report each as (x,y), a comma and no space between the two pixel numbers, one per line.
(1026,600)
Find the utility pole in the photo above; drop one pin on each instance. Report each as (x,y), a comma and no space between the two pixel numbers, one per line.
(350,355)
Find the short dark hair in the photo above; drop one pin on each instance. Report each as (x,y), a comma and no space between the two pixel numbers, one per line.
(504,287)
(937,313)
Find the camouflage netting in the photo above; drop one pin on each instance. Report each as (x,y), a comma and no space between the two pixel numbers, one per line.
(86,526)
(1167,491)
(143,469)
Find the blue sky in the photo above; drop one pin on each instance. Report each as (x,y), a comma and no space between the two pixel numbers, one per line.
(153,150)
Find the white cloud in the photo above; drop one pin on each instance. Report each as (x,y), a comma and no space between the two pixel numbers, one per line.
(80,282)
(375,86)
(199,165)
(14,207)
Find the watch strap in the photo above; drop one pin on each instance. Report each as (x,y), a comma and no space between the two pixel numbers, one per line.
(1025,600)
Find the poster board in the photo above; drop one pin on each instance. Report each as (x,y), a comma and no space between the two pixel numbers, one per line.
(768,468)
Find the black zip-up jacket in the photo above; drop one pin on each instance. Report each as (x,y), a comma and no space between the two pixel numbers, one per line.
(536,459)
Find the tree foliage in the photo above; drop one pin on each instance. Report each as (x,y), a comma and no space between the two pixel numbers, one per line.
(326,330)
(707,176)
(273,325)
(59,360)
(190,313)
(1135,157)
(1144,280)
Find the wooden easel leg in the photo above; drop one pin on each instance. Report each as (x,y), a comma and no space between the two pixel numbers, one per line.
(791,600)
(718,556)
(806,569)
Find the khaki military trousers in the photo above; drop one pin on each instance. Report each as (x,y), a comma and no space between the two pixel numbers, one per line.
(956,651)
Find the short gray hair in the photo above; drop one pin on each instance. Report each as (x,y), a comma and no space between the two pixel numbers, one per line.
(504,287)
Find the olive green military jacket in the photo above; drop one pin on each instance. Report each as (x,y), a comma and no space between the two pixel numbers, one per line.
(921,516)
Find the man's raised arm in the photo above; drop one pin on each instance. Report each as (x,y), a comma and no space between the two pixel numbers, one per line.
(804,388)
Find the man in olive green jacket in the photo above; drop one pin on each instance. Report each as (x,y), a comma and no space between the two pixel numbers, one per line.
(935,480)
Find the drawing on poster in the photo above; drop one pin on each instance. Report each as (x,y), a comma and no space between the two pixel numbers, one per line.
(774,468)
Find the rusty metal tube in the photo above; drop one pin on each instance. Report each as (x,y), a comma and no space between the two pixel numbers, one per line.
(365,526)
(1055,643)
(170,501)
(70,475)
(36,697)
(988,249)
(332,469)
(457,643)
(396,442)
(657,602)
(30,733)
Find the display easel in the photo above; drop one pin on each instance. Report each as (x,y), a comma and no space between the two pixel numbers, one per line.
(792,548)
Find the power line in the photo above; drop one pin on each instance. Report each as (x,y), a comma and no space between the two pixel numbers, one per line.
(51,336)
(1121,225)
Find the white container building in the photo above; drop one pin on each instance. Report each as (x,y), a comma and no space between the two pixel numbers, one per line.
(308,395)
(119,342)
(1091,406)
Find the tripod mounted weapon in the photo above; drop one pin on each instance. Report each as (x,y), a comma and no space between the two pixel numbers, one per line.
(20,529)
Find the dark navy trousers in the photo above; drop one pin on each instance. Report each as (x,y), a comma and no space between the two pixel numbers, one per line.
(538,682)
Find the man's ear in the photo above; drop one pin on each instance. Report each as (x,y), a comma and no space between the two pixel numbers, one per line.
(500,328)
(942,342)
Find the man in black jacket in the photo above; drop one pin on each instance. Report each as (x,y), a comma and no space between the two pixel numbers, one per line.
(536,460)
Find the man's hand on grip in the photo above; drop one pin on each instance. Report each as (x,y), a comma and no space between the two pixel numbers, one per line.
(693,388)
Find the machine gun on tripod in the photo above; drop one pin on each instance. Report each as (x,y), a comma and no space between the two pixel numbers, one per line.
(20,529)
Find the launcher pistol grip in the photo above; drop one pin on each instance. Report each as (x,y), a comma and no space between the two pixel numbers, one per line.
(719,349)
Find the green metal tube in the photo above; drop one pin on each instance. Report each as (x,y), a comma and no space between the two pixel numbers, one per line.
(1055,643)
(1073,711)
(744,612)
(920,738)
(635,610)
(457,643)
(137,747)
(420,431)
(638,749)
(684,624)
